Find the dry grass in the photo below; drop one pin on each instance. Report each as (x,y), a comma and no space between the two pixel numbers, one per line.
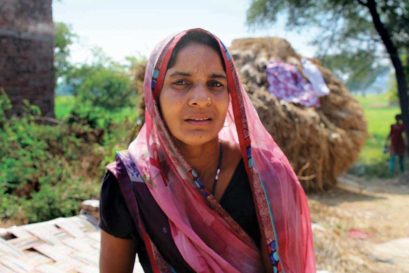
(321,143)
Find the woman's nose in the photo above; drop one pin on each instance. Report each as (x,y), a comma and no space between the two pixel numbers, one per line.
(199,96)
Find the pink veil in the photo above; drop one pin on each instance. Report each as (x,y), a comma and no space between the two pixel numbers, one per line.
(206,236)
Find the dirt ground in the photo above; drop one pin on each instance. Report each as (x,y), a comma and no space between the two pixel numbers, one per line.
(362,226)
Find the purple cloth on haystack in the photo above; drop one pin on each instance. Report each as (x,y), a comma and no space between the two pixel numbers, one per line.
(287,83)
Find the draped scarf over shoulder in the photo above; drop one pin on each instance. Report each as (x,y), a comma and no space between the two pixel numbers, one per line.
(206,236)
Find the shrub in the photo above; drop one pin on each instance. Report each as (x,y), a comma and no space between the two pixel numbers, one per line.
(41,166)
(57,199)
(46,171)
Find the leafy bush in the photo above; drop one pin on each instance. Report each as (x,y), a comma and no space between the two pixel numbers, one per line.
(57,199)
(46,171)
(41,166)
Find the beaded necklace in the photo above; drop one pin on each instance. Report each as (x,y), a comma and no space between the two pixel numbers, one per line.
(198,182)
(219,165)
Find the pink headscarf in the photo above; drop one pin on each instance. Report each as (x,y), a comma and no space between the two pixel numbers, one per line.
(206,236)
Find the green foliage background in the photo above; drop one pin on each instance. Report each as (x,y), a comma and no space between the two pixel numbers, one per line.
(47,170)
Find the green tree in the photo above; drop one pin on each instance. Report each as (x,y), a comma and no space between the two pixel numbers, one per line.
(63,38)
(359,70)
(375,26)
(101,82)
(108,88)
(392,88)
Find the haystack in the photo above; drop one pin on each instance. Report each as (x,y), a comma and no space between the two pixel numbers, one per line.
(321,143)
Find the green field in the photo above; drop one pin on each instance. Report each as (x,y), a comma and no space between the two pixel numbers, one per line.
(380,115)
(63,106)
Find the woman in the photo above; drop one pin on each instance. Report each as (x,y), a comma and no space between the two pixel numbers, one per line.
(203,187)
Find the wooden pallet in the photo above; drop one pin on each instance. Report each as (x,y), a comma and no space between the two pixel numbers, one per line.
(60,245)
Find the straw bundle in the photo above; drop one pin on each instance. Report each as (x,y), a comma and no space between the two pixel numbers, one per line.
(320,143)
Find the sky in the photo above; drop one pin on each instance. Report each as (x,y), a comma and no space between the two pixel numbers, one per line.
(133,27)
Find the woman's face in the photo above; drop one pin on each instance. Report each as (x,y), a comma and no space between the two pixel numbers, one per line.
(194,98)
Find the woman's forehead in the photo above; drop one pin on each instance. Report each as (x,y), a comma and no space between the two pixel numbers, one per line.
(213,72)
(194,51)
(198,57)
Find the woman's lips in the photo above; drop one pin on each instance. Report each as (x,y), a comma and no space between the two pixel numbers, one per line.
(198,120)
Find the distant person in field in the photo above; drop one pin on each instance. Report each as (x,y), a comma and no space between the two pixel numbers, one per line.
(397,145)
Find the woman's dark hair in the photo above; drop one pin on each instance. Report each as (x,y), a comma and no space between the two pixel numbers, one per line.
(195,37)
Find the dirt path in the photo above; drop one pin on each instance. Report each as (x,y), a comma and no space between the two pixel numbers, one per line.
(362,226)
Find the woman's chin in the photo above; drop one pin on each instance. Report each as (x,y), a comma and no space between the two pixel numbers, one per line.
(196,139)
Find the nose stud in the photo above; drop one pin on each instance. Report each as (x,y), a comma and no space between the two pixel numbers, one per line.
(209,101)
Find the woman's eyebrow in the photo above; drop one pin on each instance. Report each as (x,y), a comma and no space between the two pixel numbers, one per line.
(186,74)
(217,76)
(179,74)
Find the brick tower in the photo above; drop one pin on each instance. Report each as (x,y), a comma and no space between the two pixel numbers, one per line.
(27,53)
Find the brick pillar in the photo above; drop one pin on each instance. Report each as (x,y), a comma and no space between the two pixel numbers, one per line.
(27,53)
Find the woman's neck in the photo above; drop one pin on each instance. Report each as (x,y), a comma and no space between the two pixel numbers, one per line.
(202,158)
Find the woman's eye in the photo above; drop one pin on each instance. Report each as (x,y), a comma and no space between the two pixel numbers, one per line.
(180,82)
(215,84)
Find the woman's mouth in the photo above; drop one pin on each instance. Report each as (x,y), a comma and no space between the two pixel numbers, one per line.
(198,120)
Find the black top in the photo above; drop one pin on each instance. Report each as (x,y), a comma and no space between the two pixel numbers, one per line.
(116,220)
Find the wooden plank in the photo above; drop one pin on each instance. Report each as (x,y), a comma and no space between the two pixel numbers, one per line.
(85,224)
(56,253)
(9,249)
(87,258)
(48,268)
(36,258)
(3,268)
(50,247)
(88,269)
(95,236)
(18,232)
(93,244)
(68,265)
(25,242)
(70,226)
(44,231)
(15,264)
(4,233)
(78,245)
